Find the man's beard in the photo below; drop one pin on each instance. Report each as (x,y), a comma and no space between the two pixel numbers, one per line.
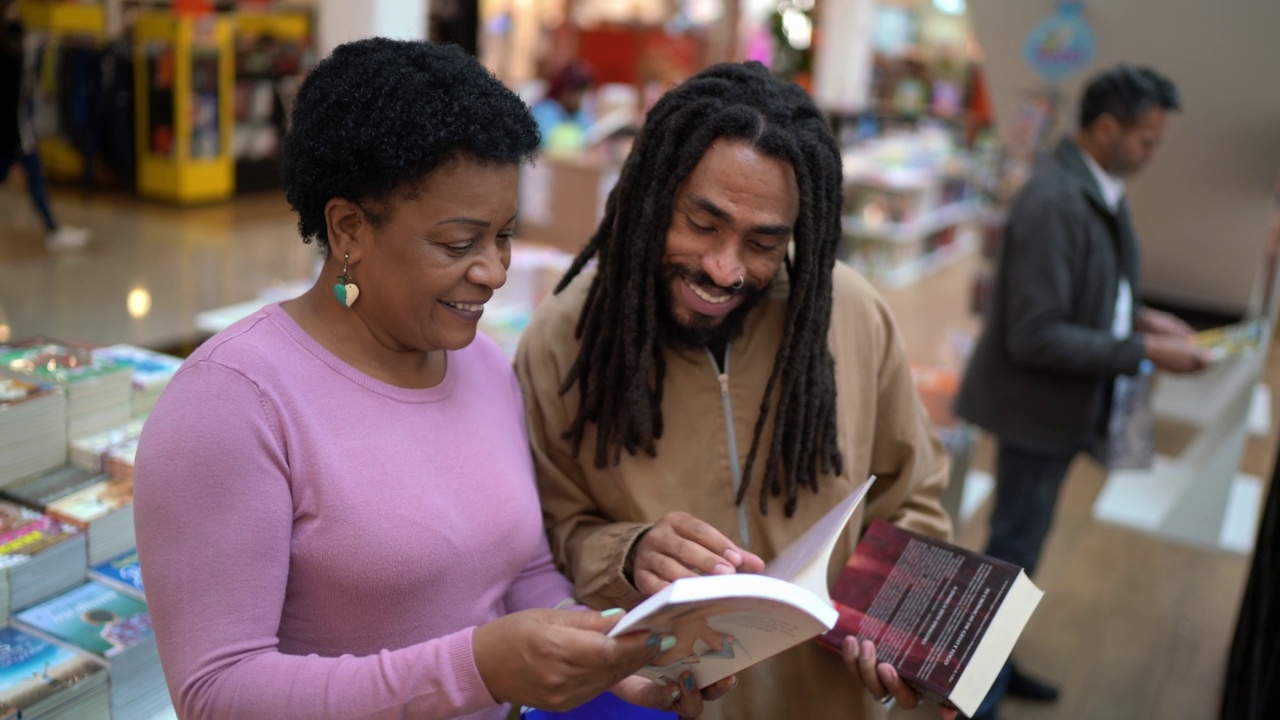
(704,332)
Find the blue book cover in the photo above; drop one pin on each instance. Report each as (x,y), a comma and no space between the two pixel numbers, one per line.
(32,670)
(91,617)
(121,572)
(150,368)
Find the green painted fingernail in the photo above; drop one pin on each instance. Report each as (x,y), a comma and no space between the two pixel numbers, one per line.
(688,683)
(654,639)
(612,612)
(668,642)
(675,695)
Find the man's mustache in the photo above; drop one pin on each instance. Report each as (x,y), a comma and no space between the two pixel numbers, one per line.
(700,277)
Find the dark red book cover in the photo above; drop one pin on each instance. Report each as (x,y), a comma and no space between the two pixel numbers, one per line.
(925,603)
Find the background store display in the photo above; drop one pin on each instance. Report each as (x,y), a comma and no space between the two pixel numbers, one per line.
(33,428)
(39,557)
(122,573)
(206,132)
(151,372)
(160,101)
(40,679)
(114,630)
(184,80)
(97,391)
(910,203)
(273,52)
(58,523)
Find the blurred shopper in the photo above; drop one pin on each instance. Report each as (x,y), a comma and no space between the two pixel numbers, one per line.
(1065,320)
(17,136)
(562,114)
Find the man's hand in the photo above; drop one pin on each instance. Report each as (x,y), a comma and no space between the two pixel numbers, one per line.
(684,699)
(681,545)
(1155,322)
(1176,354)
(880,679)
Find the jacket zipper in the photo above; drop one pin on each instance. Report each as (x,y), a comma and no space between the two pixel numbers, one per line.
(735,467)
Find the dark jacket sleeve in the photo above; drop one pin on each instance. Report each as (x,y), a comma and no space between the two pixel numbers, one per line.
(1043,257)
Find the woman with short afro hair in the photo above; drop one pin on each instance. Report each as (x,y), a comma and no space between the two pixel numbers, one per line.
(335,502)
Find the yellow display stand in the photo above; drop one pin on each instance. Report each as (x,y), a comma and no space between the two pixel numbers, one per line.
(183,76)
(59,20)
(283,25)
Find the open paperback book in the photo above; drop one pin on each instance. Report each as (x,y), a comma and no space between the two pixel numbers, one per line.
(945,617)
(724,623)
(1230,340)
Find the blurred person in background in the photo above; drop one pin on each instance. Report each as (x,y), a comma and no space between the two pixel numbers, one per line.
(1065,321)
(17,135)
(563,114)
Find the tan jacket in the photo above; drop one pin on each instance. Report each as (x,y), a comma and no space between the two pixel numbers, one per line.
(593,516)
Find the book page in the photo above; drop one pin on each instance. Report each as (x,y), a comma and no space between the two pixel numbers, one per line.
(805,562)
(724,623)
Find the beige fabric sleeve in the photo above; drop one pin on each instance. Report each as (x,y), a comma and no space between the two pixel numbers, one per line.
(587,546)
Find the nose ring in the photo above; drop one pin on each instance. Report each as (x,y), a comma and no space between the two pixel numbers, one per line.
(738,285)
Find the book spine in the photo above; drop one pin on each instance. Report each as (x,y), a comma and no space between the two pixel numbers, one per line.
(68,519)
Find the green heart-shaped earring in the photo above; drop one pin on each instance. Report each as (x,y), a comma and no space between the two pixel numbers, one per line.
(346,291)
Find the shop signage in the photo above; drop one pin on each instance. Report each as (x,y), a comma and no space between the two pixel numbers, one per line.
(1062,44)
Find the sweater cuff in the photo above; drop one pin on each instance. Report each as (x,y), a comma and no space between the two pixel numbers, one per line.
(1132,353)
(462,659)
(609,587)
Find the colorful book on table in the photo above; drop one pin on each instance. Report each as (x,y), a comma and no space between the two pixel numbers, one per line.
(122,573)
(33,670)
(91,617)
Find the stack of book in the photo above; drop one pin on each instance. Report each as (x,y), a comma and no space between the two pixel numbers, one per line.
(121,573)
(33,428)
(104,510)
(40,679)
(92,452)
(38,490)
(100,506)
(120,461)
(99,392)
(151,372)
(39,557)
(116,631)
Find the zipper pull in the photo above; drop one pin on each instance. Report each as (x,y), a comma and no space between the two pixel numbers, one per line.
(724,383)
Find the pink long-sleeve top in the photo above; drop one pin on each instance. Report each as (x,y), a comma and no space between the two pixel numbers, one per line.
(319,544)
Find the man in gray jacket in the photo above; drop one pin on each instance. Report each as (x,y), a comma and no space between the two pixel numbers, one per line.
(1065,321)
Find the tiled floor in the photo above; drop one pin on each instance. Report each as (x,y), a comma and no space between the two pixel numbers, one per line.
(183,260)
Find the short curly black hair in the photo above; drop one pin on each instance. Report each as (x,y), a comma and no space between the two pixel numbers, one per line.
(1125,92)
(378,115)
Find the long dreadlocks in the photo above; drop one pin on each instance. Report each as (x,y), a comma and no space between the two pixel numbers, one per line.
(619,370)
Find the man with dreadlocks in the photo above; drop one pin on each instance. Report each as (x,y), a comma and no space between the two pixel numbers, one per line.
(718,381)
